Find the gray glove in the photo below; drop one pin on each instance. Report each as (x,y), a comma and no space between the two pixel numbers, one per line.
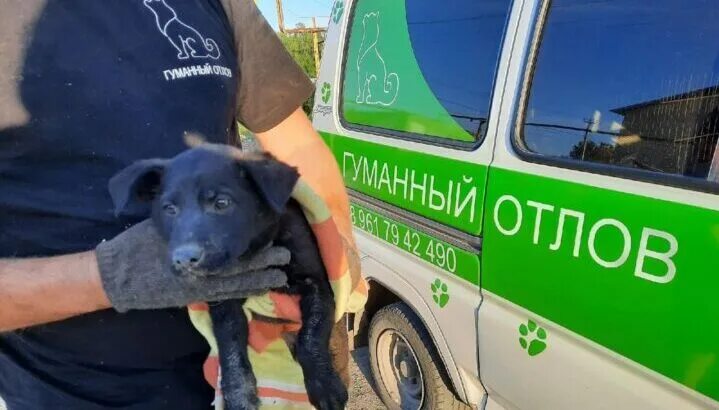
(136,273)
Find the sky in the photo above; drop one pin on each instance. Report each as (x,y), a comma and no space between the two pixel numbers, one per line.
(297,11)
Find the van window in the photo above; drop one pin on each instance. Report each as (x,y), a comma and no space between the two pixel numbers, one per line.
(627,83)
(418,68)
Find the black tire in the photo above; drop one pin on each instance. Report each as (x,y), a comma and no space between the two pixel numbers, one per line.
(398,318)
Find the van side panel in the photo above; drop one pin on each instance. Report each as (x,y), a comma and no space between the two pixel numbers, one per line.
(597,290)
(639,274)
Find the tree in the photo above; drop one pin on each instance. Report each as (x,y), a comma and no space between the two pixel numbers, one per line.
(300,47)
(594,152)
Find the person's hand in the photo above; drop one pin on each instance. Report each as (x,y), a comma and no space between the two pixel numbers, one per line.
(136,273)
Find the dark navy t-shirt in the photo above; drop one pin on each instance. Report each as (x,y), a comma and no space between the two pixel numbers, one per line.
(86,88)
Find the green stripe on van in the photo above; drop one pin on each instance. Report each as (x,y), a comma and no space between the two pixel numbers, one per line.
(441,254)
(442,189)
(641,276)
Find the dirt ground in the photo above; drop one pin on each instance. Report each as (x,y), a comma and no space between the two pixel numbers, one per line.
(362,394)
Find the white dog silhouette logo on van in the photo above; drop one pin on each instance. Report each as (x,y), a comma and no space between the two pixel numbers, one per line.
(375,85)
(188,41)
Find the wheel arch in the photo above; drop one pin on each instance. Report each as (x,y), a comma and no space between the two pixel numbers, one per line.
(382,294)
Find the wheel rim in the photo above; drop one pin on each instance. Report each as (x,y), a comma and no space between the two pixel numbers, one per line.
(399,370)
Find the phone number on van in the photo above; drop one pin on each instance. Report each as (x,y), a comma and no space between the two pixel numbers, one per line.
(439,253)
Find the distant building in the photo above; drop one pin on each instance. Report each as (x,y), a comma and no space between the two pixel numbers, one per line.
(675,134)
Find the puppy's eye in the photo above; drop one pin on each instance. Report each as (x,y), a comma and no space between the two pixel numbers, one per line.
(222,202)
(170,209)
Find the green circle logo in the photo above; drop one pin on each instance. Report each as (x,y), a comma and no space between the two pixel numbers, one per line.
(325,92)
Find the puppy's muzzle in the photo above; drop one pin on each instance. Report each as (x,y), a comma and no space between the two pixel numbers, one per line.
(188,257)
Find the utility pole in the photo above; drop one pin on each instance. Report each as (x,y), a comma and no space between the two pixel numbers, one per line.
(316,45)
(314,30)
(280,16)
(592,126)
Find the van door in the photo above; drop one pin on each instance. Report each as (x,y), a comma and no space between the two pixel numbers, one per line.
(403,101)
(601,240)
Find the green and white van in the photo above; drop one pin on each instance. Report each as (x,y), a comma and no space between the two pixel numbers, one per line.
(535,191)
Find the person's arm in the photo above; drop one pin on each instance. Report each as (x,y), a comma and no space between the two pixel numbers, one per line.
(270,93)
(42,290)
(128,272)
(295,142)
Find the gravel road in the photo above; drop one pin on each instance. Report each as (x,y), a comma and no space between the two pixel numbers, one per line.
(362,394)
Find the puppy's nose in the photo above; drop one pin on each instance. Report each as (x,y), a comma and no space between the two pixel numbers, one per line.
(187,256)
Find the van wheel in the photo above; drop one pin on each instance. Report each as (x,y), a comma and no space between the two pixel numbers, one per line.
(405,366)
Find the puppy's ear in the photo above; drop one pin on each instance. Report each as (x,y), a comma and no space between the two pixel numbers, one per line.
(274,179)
(133,189)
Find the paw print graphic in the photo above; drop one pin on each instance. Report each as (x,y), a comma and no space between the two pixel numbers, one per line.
(439,293)
(532,338)
(325,92)
(337,11)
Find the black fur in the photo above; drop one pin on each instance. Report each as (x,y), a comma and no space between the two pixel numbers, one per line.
(214,209)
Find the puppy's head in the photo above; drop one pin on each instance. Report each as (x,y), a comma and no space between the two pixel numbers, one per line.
(211,204)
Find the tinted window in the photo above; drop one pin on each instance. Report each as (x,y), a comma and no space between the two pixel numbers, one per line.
(628,83)
(421,67)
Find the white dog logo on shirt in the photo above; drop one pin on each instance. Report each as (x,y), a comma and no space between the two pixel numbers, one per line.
(188,41)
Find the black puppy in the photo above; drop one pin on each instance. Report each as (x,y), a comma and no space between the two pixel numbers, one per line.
(214,207)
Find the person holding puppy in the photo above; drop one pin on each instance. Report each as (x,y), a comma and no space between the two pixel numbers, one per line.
(92,317)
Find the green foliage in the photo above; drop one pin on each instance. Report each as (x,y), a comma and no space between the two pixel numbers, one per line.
(301,48)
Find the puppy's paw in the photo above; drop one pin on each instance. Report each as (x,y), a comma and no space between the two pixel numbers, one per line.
(242,401)
(326,391)
(242,396)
